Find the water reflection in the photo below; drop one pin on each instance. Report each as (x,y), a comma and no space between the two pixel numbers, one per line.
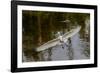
(72,51)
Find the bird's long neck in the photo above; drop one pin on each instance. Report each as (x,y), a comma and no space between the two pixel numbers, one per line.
(60,37)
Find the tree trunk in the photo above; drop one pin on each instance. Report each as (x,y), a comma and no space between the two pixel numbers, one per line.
(39,29)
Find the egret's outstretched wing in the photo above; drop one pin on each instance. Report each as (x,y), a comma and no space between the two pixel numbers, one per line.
(47,45)
(71,33)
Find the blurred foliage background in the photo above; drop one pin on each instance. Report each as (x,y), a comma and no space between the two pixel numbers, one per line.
(41,26)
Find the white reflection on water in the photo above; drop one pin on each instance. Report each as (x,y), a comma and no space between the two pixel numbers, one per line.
(72,51)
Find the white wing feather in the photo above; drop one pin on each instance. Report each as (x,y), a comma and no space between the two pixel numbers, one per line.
(56,41)
(47,45)
(71,33)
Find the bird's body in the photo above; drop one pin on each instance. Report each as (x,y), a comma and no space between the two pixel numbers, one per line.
(61,39)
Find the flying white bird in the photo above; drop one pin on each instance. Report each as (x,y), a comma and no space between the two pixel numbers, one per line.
(59,40)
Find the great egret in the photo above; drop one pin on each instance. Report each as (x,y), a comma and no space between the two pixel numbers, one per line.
(59,40)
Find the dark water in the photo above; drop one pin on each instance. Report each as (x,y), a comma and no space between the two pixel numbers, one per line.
(76,50)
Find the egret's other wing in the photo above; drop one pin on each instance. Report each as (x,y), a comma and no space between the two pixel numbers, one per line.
(47,45)
(71,33)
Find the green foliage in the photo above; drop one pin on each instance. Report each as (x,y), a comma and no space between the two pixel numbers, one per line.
(87,52)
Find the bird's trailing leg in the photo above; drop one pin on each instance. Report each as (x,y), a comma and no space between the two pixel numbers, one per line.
(62,46)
